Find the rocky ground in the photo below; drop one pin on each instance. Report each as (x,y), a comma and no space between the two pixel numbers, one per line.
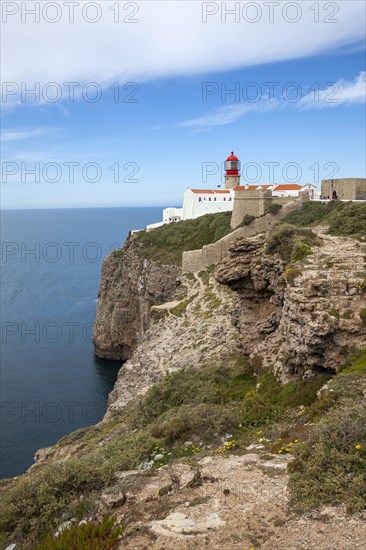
(225,501)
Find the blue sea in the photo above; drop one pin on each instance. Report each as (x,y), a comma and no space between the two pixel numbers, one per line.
(51,382)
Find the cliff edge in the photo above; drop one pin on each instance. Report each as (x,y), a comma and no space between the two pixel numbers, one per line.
(130,285)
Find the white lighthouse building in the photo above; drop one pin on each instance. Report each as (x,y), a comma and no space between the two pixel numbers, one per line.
(198,202)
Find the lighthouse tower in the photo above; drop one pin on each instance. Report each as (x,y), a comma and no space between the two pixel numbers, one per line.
(232,171)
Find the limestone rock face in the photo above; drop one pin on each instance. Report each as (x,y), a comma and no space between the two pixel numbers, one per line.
(129,286)
(298,324)
(197,332)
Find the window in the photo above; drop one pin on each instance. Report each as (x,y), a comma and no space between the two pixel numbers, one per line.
(199,199)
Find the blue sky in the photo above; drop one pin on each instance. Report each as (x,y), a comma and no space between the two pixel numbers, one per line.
(173,132)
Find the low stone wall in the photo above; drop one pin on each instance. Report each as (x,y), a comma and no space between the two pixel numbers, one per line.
(196,260)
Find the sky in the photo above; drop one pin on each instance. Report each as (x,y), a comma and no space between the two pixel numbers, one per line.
(129,103)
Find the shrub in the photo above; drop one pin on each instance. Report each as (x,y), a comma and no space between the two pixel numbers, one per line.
(301,251)
(285,239)
(271,399)
(204,421)
(247,220)
(274,208)
(291,273)
(329,468)
(96,536)
(215,385)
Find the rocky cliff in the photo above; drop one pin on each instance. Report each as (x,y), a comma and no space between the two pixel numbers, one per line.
(300,318)
(218,428)
(129,286)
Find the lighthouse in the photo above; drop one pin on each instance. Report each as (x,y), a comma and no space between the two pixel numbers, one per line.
(232,171)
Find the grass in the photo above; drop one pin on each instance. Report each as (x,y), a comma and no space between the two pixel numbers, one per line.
(344,219)
(201,406)
(166,244)
(180,309)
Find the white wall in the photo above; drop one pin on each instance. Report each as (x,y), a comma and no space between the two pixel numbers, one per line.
(285,193)
(193,207)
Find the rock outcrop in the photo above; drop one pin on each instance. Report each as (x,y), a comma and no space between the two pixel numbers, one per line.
(129,286)
(298,318)
(194,332)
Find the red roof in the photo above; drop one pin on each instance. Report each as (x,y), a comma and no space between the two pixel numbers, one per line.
(274,186)
(232,156)
(210,191)
(250,187)
(287,187)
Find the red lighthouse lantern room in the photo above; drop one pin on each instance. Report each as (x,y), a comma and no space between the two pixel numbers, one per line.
(232,171)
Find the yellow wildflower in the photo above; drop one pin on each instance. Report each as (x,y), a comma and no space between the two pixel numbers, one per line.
(358,446)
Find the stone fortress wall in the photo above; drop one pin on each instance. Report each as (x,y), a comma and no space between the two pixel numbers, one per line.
(197,260)
(347,189)
(254,203)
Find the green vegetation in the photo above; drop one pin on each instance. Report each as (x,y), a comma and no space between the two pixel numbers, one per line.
(355,364)
(181,308)
(247,220)
(291,273)
(362,315)
(89,536)
(291,242)
(167,243)
(301,251)
(274,208)
(334,313)
(327,437)
(346,219)
(329,466)
(32,506)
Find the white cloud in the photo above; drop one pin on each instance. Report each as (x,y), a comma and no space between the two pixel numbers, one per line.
(342,92)
(169,39)
(17,134)
(227,114)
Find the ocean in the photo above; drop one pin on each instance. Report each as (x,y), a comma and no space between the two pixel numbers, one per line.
(51,381)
